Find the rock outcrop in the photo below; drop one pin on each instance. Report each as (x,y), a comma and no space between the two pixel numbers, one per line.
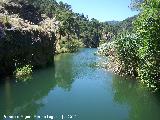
(26,37)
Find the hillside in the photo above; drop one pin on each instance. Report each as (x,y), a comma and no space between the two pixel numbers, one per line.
(112,22)
(127,23)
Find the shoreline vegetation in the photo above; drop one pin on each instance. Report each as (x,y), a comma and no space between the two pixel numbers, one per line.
(136,53)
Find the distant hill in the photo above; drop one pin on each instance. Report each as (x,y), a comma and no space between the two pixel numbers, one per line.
(122,25)
(112,22)
(127,24)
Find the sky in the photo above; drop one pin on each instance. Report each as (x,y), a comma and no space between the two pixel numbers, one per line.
(103,10)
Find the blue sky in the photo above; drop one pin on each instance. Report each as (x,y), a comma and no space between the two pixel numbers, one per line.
(103,10)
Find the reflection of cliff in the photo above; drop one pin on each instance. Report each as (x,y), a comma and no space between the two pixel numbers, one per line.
(25,98)
(143,106)
(63,71)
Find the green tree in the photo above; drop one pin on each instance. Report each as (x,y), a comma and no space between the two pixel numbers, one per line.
(147,27)
(136,4)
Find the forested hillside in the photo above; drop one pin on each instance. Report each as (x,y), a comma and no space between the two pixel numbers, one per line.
(73,27)
(71,30)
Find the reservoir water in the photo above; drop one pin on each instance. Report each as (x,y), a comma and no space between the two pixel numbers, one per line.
(75,89)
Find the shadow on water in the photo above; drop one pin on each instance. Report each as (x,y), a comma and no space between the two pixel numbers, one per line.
(143,104)
(22,98)
(25,98)
(75,86)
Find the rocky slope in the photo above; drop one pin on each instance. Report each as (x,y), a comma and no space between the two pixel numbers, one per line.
(26,37)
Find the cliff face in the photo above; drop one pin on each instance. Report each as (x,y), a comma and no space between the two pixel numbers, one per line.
(24,40)
(18,48)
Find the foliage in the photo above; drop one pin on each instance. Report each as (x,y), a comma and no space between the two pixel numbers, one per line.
(127,24)
(126,47)
(23,73)
(138,53)
(136,4)
(106,48)
(147,26)
(73,45)
(69,46)
(71,24)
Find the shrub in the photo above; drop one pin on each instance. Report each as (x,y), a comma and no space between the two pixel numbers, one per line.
(106,48)
(126,47)
(69,45)
(73,45)
(23,73)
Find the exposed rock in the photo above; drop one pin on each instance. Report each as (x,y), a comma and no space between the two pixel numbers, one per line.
(25,38)
(24,10)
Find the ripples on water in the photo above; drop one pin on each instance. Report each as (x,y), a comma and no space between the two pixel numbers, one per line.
(75,86)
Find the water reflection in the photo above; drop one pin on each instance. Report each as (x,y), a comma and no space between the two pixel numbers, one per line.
(22,98)
(72,86)
(64,71)
(26,98)
(143,104)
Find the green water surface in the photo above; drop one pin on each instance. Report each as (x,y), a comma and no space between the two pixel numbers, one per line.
(75,89)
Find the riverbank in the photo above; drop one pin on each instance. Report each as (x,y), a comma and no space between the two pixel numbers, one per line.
(111,64)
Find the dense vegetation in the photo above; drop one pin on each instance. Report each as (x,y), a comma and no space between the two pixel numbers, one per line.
(24,42)
(136,52)
(132,45)
(70,25)
(28,22)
